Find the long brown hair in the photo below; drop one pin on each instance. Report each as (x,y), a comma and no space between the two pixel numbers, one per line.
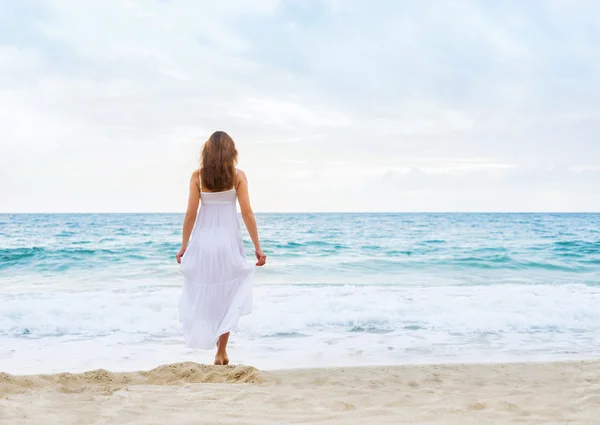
(218,161)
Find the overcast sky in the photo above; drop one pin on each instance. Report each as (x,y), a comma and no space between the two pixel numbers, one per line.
(347,105)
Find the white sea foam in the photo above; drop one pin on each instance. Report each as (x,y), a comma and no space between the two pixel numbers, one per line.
(305,325)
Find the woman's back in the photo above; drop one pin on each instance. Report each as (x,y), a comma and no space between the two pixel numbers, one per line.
(218,211)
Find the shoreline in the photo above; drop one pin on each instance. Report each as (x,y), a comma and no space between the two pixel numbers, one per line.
(448,361)
(455,393)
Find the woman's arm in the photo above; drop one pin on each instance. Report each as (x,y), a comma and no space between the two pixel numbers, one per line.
(248,216)
(190,214)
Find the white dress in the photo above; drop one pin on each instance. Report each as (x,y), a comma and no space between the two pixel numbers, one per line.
(217,285)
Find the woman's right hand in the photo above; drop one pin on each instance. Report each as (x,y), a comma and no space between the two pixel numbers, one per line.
(180,254)
(260,257)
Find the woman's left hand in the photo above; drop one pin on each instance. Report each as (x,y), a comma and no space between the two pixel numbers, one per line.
(180,254)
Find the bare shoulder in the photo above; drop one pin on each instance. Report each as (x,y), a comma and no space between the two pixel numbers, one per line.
(195,178)
(241,176)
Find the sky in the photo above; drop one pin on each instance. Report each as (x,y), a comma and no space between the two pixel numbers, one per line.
(335,105)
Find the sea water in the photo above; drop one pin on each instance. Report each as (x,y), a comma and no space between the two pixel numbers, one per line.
(83,291)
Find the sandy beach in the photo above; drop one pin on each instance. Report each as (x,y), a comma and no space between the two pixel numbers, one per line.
(189,393)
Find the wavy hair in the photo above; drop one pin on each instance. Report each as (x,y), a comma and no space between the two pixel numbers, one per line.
(217,163)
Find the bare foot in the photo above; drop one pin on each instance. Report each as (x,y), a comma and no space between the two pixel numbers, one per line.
(221,360)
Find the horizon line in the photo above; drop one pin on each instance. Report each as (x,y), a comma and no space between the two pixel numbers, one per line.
(302,212)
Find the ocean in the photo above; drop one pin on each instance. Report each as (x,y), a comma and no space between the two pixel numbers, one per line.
(87,291)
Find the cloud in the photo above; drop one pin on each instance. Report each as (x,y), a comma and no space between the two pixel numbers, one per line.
(106,104)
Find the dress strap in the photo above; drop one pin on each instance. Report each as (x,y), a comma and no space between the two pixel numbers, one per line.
(200,180)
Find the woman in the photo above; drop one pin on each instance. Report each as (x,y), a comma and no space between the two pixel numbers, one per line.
(217,286)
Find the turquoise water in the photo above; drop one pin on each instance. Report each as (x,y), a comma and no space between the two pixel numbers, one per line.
(100,290)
